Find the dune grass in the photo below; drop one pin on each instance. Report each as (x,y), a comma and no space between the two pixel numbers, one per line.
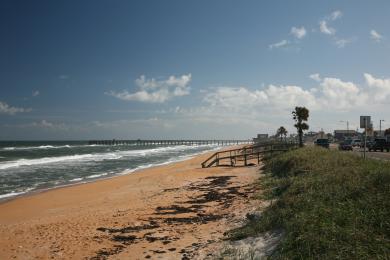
(330,204)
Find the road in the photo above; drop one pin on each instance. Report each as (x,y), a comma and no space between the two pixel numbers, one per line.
(359,152)
(374,155)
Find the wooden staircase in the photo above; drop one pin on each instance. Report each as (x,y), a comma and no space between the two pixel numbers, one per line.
(246,154)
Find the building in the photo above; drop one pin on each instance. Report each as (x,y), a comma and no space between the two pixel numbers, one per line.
(378,133)
(260,138)
(344,134)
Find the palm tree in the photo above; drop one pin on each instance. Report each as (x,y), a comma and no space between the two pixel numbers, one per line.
(300,114)
(281,132)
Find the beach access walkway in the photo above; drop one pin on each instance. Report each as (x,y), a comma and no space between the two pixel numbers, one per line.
(245,154)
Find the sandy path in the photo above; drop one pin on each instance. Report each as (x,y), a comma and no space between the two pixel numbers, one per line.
(175,211)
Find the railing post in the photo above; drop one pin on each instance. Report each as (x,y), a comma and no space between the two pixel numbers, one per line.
(245,162)
(217,158)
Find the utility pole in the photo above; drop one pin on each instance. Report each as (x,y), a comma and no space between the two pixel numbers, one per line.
(380,127)
(347,125)
(365,138)
(364,122)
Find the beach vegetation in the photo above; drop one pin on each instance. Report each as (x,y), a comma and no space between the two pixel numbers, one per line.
(281,132)
(329,205)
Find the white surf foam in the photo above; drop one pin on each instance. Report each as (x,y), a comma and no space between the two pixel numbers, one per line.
(49,160)
(14,193)
(172,160)
(101,156)
(43,147)
(96,176)
(104,156)
(76,179)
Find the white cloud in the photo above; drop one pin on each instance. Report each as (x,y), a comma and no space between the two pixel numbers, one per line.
(43,123)
(280,44)
(324,26)
(298,32)
(35,93)
(156,91)
(325,29)
(330,92)
(286,97)
(375,36)
(335,15)
(7,109)
(272,97)
(159,96)
(231,97)
(379,88)
(341,43)
(315,77)
(338,94)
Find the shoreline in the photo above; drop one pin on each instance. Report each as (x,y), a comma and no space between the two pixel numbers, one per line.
(85,180)
(171,210)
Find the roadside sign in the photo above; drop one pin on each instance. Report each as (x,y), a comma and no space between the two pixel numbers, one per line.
(365,121)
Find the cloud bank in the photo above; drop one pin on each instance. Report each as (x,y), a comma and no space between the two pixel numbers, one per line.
(329,93)
(9,110)
(156,91)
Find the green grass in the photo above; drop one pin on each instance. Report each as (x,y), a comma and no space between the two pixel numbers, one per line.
(331,205)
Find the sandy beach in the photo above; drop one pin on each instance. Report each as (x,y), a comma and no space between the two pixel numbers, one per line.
(175,211)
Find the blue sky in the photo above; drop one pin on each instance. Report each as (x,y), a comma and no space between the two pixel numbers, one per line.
(189,69)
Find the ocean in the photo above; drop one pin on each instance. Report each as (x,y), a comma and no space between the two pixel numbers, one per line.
(33,166)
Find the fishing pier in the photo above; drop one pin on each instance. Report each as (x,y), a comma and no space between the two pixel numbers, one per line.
(167,142)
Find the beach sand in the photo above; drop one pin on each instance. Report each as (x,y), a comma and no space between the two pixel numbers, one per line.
(175,211)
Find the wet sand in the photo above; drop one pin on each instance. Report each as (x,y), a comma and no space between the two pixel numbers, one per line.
(175,211)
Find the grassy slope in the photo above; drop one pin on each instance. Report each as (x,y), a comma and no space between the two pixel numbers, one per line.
(331,205)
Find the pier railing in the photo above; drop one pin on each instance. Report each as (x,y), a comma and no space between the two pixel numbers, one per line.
(246,153)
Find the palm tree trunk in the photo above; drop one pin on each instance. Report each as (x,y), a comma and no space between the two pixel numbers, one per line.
(300,134)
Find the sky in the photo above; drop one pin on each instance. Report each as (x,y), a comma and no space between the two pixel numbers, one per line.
(206,69)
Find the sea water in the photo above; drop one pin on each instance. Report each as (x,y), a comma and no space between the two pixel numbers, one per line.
(31,166)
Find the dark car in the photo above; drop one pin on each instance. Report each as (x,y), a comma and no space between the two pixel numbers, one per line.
(322,142)
(379,145)
(346,145)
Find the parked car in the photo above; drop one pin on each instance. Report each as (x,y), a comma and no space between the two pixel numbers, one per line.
(379,144)
(356,143)
(322,142)
(346,145)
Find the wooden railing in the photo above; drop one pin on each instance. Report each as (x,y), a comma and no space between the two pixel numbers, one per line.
(246,153)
